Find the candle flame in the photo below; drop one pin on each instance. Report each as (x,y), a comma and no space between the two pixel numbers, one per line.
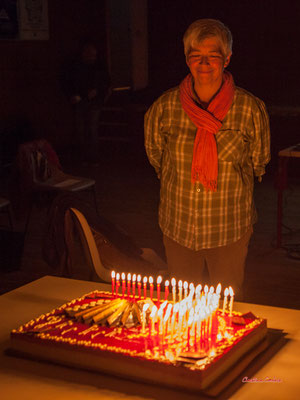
(173,282)
(205,289)
(158,281)
(150,279)
(211,289)
(139,278)
(191,286)
(145,279)
(118,276)
(180,283)
(167,283)
(198,288)
(134,277)
(123,276)
(185,285)
(226,292)
(113,274)
(129,276)
(231,292)
(219,287)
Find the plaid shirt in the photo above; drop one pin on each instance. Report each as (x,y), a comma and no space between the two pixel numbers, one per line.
(188,214)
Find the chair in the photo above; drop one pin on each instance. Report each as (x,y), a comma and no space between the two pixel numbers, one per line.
(40,172)
(5,207)
(149,263)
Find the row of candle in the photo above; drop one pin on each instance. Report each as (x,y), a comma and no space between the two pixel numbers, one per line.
(180,291)
(188,320)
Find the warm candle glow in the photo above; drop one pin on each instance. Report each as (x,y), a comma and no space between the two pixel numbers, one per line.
(151,286)
(167,283)
(231,292)
(173,282)
(133,285)
(139,284)
(145,286)
(113,275)
(185,287)
(158,282)
(226,292)
(180,289)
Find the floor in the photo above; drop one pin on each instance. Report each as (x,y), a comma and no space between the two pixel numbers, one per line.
(127,194)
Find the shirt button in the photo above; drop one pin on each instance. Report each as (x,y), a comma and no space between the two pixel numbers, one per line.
(198,190)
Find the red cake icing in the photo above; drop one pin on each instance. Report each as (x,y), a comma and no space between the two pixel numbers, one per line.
(191,363)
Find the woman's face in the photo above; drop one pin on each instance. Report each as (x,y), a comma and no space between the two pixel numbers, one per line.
(206,62)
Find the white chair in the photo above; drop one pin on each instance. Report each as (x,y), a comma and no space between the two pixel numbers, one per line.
(156,265)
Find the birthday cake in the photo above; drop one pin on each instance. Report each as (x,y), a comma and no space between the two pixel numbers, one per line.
(189,342)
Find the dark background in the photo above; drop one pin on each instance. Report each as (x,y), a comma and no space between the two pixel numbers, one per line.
(265,60)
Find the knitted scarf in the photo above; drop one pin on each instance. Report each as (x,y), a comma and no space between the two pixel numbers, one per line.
(208,122)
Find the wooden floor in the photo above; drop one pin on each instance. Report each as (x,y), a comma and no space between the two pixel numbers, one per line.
(127,194)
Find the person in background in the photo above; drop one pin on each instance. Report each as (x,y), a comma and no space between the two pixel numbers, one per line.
(207,139)
(86,83)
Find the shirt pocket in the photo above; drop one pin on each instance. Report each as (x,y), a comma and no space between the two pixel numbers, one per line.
(231,145)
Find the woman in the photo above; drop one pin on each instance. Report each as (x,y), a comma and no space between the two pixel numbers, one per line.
(206,140)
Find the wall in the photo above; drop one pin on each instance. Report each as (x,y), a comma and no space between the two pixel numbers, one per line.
(29,70)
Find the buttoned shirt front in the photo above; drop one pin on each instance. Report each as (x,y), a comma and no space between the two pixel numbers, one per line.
(189,214)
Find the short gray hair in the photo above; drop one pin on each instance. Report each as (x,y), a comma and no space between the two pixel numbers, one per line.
(204,28)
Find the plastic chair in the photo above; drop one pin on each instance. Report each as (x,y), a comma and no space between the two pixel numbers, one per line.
(40,172)
(93,258)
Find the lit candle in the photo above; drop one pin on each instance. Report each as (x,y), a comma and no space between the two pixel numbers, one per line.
(153,319)
(180,290)
(123,283)
(117,283)
(160,316)
(133,285)
(198,291)
(151,286)
(205,293)
(166,318)
(185,287)
(145,286)
(113,276)
(128,284)
(231,292)
(210,295)
(167,289)
(173,282)
(218,291)
(175,311)
(226,292)
(139,284)
(192,291)
(145,308)
(158,282)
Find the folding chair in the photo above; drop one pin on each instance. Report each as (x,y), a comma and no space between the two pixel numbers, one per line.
(40,173)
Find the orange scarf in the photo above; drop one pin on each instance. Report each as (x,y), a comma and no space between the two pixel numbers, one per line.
(208,122)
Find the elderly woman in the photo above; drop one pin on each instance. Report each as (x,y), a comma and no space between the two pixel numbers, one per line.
(206,140)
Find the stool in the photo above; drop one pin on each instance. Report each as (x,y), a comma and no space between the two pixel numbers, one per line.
(284,156)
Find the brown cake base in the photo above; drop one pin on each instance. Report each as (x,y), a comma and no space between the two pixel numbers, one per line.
(132,354)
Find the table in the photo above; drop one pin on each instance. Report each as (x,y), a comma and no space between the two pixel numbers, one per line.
(284,156)
(27,379)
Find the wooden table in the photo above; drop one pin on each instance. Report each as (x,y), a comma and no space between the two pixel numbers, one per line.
(284,156)
(25,379)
